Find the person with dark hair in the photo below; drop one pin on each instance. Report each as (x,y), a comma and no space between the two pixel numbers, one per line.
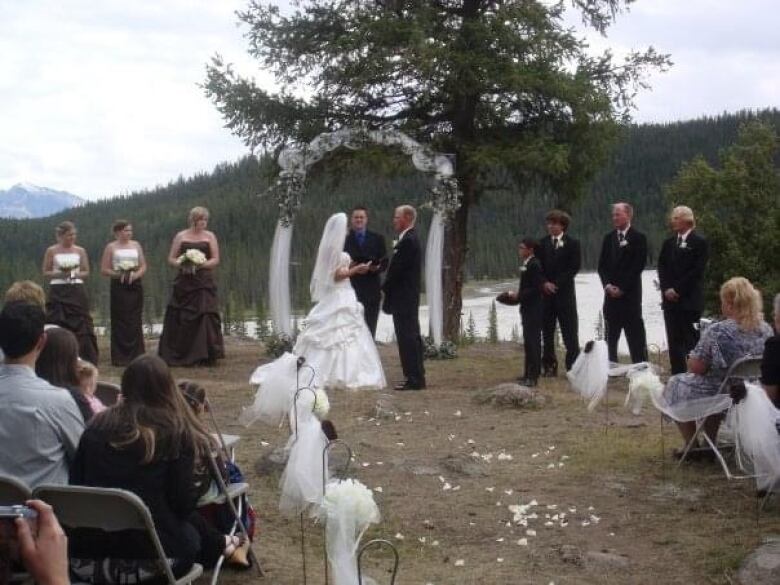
(58,364)
(770,361)
(40,425)
(153,445)
(561,257)
(364,246)
(681,265)
(192,326)
(621,262)
(529,297)
(67,265)
(125,264)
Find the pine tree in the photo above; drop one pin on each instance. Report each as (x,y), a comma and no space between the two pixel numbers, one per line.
(492,332)
(498,84)
(515,335)
(471,330)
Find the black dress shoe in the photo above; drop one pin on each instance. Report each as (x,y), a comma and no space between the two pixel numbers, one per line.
(410,386)
(550,371)
(400,385)
(529,382)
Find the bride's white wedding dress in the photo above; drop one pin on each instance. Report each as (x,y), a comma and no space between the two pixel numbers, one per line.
(336,341)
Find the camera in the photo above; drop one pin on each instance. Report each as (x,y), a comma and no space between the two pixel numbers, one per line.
(11,512)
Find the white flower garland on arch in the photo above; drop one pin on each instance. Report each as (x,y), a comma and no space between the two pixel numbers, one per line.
(290,188)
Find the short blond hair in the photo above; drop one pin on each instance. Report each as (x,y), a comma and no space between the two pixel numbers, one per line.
(627,207)
(685,213)
(409,211)
(26,291)
(197,213)
(745,302)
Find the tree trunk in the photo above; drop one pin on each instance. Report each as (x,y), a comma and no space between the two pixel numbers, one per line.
(455,250)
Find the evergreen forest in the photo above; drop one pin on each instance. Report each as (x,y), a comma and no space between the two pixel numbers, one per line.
(644,161)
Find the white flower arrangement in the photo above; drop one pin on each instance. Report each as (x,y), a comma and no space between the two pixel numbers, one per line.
(127,266)
(349,498)
(191,260)
(68,265)
(321,404)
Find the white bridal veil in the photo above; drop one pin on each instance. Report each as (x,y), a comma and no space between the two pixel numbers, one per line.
(328,255)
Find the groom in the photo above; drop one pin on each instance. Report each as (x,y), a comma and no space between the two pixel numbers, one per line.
(402,297)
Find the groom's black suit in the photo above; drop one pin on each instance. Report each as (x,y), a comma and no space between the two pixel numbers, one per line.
(368,287)
(402,301)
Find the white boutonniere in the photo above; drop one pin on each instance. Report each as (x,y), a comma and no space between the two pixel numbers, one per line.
(683,245)
(523,268)
(623,243)
(395,244)
(560,244)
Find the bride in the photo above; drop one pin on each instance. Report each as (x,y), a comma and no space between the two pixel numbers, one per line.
(336,341)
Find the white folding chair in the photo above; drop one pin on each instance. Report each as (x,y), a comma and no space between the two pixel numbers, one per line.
(110,510)
(108,393)
(745,369)
(13,491)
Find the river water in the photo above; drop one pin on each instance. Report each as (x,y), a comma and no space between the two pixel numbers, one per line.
(477,298)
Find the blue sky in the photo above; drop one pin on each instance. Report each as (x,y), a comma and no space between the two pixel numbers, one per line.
(101,98)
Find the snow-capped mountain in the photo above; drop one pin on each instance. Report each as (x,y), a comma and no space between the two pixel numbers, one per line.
(24,201)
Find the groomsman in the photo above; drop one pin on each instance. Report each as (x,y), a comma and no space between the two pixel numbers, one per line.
(681,267)
(402,297)
(366,246)
(561,257)
(622,260)
(529,296)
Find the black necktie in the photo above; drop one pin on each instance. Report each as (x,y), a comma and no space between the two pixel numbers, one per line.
(555,243)
(621,236)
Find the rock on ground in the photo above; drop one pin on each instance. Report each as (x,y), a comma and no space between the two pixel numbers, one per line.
(509,395)
(762,566)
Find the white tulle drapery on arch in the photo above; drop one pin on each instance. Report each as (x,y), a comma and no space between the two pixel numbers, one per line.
(291,186)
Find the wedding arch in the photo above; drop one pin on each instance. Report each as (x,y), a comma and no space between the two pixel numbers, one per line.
(290,188)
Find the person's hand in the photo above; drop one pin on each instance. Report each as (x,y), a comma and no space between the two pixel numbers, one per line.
(549,288)
(362,268)
(671,295)
(45,556)
(131,277)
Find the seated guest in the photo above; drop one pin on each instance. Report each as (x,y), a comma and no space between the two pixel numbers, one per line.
(770,363)
(58,365)
(88,382)
(741,333)
(26,291)
(152,445)
(40,425)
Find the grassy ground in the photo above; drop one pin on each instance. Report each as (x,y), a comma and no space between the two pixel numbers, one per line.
(447,510)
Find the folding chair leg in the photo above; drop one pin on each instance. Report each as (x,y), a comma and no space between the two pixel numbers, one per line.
(699,426)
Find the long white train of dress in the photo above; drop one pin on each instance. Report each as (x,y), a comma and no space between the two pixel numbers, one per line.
(337,343)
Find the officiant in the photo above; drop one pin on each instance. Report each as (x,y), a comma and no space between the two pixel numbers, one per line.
(366,246)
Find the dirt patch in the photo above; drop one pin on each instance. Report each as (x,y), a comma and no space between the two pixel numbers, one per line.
(598,482)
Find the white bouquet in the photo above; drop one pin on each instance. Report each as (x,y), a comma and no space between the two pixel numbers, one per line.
(191,260)
(321,404)
(125,269)
(347,508)
(69,267)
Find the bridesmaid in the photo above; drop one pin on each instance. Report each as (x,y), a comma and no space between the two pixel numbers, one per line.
(67,265)
(192,328)
(124,262)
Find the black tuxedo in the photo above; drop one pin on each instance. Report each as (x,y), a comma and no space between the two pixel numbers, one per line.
(621,264)
(682,269)
(368,287)
(531,306)
(402,301)
(560,266)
